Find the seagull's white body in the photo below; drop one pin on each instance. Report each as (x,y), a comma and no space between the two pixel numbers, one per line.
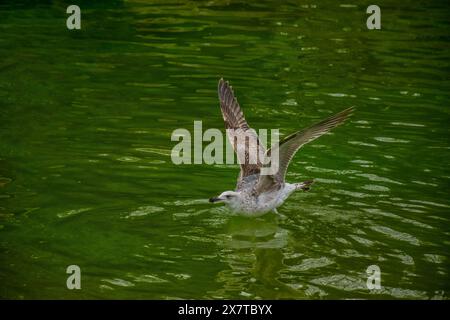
(270,201)
(257,194)
(245,202)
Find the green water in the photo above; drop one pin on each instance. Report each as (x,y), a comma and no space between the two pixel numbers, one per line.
(86,176)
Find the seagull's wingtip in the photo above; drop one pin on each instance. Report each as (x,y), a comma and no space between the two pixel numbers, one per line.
(351,109)
(222,83)
(346,113)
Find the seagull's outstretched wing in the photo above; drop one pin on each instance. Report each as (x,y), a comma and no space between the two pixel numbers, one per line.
(243,139)
(290,145)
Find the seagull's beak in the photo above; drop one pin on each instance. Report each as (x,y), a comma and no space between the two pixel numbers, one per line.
(214,199)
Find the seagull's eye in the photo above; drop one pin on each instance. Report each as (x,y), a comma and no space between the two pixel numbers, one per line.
(228,196)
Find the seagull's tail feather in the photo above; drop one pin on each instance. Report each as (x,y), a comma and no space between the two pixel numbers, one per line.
(304,186)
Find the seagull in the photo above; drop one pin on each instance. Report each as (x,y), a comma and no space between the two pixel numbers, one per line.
(256,193)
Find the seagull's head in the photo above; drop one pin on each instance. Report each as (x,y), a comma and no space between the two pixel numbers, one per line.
(228,197)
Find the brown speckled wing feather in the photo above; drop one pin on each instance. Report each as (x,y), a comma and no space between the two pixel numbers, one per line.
(237,128)
(288,147)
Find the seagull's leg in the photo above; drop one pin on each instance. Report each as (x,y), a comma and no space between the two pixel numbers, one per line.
(275,210)
(305,185)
